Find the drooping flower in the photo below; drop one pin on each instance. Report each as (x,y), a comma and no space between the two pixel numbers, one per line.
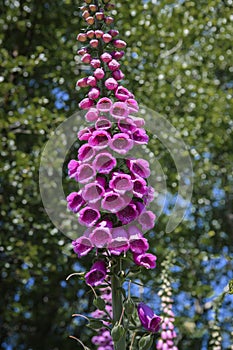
(85,173)
(139,167)
(88,216)
(97,274)
(121,183)
(75,201)
(146,260)
(82,246)
(149,320)
(121,143)
(104,163)
(101,237)
(147,220)
(92,192)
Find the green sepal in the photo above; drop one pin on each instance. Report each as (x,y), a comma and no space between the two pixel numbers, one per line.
(145,342)
(99,303)
(117,332)
(95,324)
(129,307)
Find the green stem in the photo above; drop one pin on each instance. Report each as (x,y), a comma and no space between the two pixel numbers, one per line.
(117,303)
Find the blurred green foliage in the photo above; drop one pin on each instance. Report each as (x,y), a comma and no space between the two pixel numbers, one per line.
(179,63)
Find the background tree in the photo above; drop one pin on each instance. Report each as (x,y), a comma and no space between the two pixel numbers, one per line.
(178,63)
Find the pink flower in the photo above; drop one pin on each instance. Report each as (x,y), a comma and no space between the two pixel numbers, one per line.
(132,105)
(138,243)
(121,143)
(92,115)
(147,220)
(122,93)
(85,134)
(119,242)
(100,237)
(82,246)
(139,187)
(126,125)
(103,124)
(92,192)
(72,168)
(140,137)
(119,110)
(104,104)
(121,183)
(111,84)
(97,274)
(112,202)
(88,216)
(104,163)
(85,173)
(149,320)
(86,103)
(75,201)
(139,167)
(127,214)
(146,260)
(85,153)
(99,139)
(99,73)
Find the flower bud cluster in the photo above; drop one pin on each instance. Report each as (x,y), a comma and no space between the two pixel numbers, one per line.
(114,195)
(103,339)
(168,333)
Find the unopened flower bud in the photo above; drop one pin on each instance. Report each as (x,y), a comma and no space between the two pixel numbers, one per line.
(86,14)
(90,34)
(82,51)
(86,58)
(117,332)
(119,44)
(94,93)
(91,81)
(107,38)
(95,63)
(94,43)
(99,16)
(106,57)
(99,73)
(93,7)
(90,20)
(108,20)
(98,33)
(113,32)
(82,37)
